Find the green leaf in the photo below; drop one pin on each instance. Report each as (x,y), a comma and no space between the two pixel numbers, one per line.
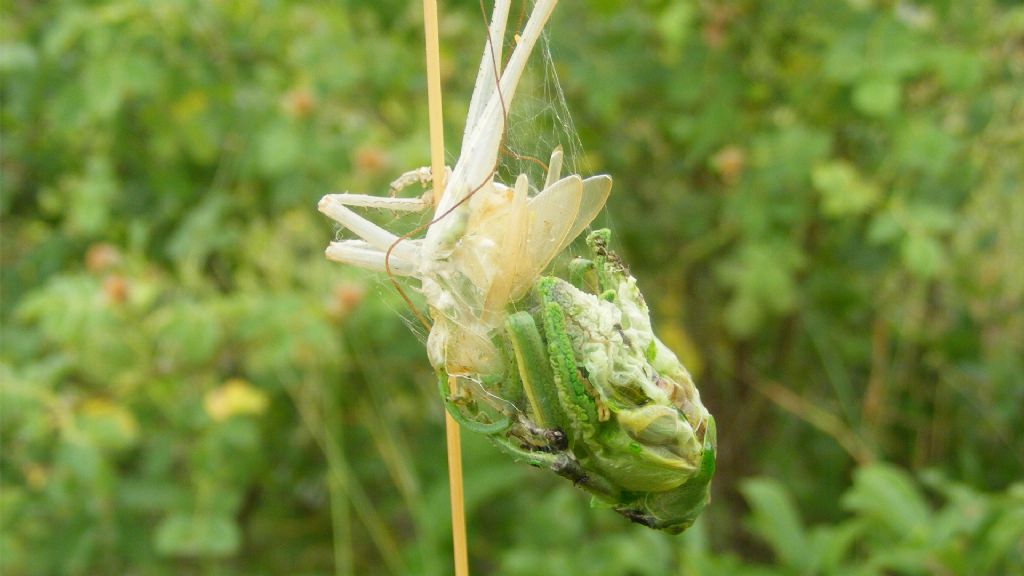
(775,519)
(761,275)
(88,208)
(831,544)
(844,61)
(921,145)
(16,56)
(843,190)
(885,228)
(280,149)
(107,425)
(888,496)
(923,254)
(784,158)
(958,69)
(188,334)
(674,26)
(877,98)
(1001,547)
(82,460)
(198,536)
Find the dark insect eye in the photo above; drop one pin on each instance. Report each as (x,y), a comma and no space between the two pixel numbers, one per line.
(638,517)
(557,439)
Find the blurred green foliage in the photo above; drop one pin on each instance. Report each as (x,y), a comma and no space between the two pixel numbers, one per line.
(822,199)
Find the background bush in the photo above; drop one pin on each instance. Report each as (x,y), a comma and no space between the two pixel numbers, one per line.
(822,200)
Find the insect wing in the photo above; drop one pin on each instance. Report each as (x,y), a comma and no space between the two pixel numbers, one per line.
(512,254)
(595,193)
(551,216)
(554,168)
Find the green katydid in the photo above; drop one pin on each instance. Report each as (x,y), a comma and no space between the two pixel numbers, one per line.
(606,404)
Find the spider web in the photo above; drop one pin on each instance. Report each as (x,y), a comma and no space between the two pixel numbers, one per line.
(538,121)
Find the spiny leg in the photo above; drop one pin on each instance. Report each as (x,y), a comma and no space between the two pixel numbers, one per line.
(539,375)
(484,128)
(382,202)
(373,234)
(562,463)
(424,176)
(490,67)
(371,254)
(359,253)
(534,369)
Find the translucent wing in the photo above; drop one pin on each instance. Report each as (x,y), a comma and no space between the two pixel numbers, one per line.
(552,214)
(554,168)
(510,259)
(595,193)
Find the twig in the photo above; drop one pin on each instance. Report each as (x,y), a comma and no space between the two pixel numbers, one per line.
(819,418)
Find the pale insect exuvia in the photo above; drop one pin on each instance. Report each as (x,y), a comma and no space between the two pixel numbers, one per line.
(488,250)
(564,375)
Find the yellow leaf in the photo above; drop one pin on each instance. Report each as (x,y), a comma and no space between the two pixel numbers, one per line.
(234,397)
(108,424)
